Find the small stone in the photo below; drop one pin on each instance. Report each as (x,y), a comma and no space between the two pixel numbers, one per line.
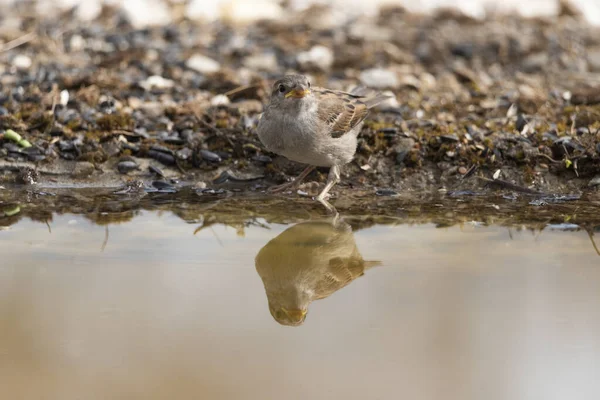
(126,166)
(535,62)
(595,181)
(386,192)
(156,82)
(262,159)
(164,187)
(379,78)
(22,62)
(219,100)
(449,138)
(203,64)
(410,81)
(184,154)
(512,111)
(64,98)
(262,62)
(155,170)
(162,157)
(210,156)
(593,56)
(521,123)
(318,56)
(83,169)
(462,170)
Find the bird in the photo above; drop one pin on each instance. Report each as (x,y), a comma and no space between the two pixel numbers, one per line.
(306,262)
(314,126)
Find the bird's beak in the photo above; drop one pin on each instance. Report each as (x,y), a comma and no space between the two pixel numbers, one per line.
(295,315)
(298,93)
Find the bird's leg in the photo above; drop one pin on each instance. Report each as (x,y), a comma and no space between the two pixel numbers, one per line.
(332,179)
(331,210)
(293,184)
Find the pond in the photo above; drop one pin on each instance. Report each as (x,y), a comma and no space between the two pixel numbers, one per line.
(188,299)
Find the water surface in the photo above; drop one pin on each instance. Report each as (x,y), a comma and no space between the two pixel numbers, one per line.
(153,307)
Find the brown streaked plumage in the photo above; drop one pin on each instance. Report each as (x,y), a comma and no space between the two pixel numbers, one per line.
(314,126)
(306,262)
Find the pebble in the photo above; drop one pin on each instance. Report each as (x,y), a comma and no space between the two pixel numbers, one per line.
(210,156)
(535,62)
(595,181)
(164,158)
(127,166)
(593,56)
(320,57)
(386,192)
(155,170)
(164,187)
(184,154)
(262,159)
(22,62)
(379,78)
(262,62)
(449,138)
(462,170)
(156,82)
(219,100)
(64,98)
(204,65)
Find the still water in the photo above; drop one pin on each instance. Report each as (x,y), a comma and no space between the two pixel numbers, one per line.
(155,309)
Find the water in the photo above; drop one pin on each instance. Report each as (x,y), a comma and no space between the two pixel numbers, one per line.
(167,303)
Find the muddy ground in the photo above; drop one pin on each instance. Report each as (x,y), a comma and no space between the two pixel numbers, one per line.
(503,103)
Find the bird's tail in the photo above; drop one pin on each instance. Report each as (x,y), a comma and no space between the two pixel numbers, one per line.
(371,264)
(372,102)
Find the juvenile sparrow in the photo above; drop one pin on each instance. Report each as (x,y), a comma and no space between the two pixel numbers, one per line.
(314,126)
(308,261)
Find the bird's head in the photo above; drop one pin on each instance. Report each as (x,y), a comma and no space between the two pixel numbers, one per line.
(289,305)
(291,91)
(290,316)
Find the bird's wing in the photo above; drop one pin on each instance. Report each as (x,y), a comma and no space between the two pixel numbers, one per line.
(339,111)
(340,272)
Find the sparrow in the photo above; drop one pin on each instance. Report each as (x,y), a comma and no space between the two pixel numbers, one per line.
(306,262)
(314,126)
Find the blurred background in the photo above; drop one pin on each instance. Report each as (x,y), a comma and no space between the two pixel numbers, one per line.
(149,12)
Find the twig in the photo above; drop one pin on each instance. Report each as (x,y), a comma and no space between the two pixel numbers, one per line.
(28,37)
(51,124)
(240,89)
(205,124)
(105,242)
(552,160)
(591,235)
(216,236)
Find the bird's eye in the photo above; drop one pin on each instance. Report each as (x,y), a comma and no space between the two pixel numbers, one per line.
(281,88)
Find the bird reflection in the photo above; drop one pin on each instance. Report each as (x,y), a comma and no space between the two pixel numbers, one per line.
(308,261)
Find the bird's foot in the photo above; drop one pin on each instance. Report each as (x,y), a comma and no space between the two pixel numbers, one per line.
(330,208)
(323,197)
